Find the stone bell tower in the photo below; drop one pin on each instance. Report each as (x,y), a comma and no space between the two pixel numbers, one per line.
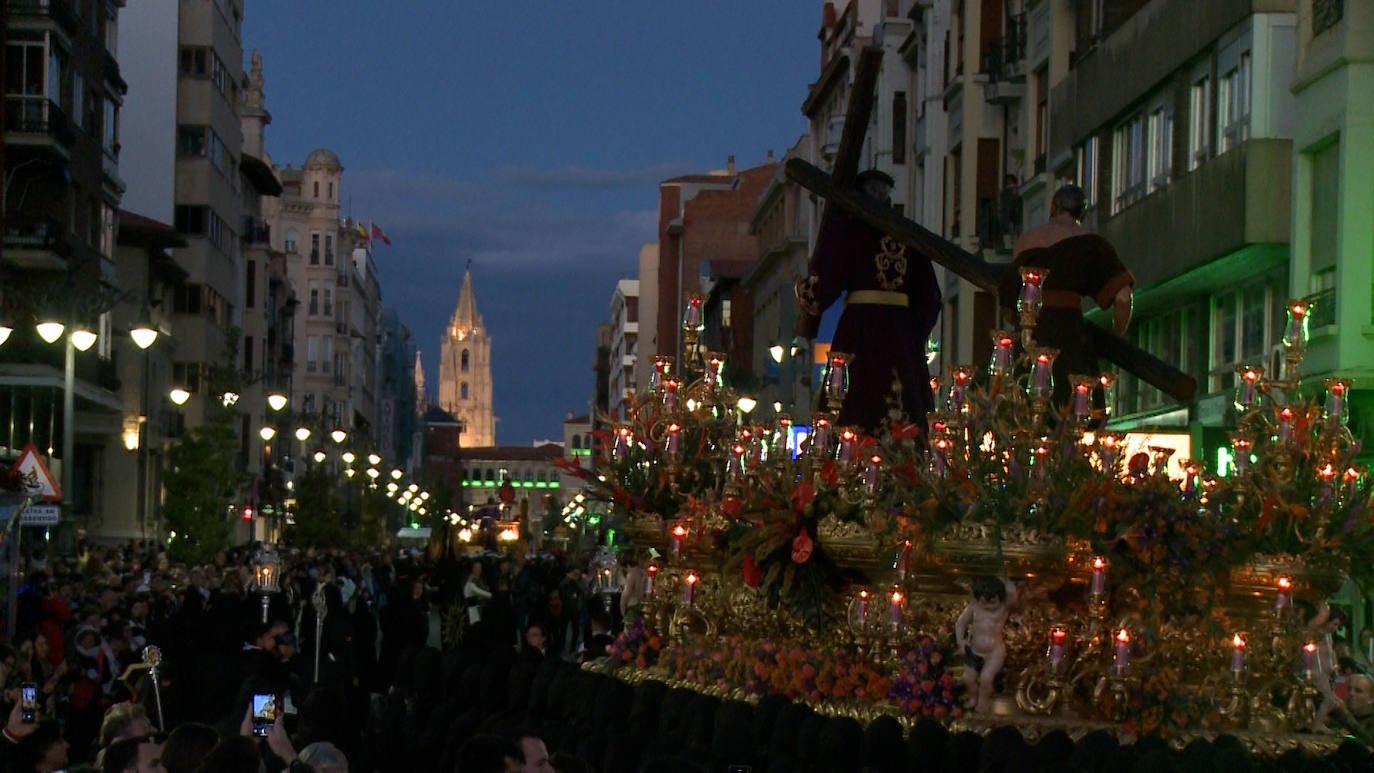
(465,370)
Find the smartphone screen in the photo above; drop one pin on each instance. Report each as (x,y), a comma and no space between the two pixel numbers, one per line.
(28,702)
(264,712)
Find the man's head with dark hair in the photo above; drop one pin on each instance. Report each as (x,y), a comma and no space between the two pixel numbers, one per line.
(1071,200)
(490,754)
(988,588)
(186,746)
(132,754)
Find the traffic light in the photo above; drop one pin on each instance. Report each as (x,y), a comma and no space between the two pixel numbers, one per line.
(247,512)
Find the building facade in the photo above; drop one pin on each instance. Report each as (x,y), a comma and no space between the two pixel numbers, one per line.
(624,347)
(465,386)
(62,191)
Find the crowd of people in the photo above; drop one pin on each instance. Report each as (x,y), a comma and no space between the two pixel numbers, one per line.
(88,625)
(461,664)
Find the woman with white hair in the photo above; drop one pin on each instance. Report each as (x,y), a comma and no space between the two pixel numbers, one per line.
(324,757)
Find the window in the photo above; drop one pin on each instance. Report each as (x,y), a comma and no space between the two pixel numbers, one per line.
(1167,336)
(463,391)
(110,127)
(1233,105)
(189,219)
(1042,118)
(1128,163)
(326,352)
(312,354)
(464,366)
(248,364)
(899,127)
(1199,121)
(250,285)
(329,249)
(331,191)
(24,69)
(1161,147)
(1087,169)
(291,241)
(317,189)
(78,105)
(314,307)
(187,299)
(329,301)
(108,219)
(314,248)
(1246,323)
(1325,203)
(191,140)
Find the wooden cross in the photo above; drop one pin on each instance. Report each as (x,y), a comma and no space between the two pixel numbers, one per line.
(838,191)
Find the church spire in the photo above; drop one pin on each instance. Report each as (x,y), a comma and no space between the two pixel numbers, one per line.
(421,399)
(465,317)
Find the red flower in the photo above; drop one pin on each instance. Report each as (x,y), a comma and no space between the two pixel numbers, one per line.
(732,507)
(753,575)
(802,547)
(830,473)
(803,495)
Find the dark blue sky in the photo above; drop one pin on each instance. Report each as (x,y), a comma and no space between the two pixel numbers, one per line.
(528,137)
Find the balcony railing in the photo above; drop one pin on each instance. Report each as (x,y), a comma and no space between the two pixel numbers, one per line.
(1002,60)
(36,232)
(37,114)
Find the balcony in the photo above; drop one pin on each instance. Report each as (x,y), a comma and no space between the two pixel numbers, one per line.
(37,121)
(36,242)
(109,172)
(1005,58)
(1004,92)
(1240,198)
(58,11)
(256,232)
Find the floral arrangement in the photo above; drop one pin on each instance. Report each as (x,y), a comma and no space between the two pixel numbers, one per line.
(816,674)
(923,687)
(635,645)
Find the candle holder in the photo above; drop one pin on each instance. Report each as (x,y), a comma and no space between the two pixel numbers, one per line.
(1295,339)
(1001,363)
(835,383)
(266,576)
(1030,301)
(959,377)
(1040,384)
(1044,687)
(693,323)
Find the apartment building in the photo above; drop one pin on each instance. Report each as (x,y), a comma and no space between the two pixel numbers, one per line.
(1333,212)
(63,96)
(621,390)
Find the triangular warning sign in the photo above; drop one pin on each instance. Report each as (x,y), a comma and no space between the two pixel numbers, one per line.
(34,477)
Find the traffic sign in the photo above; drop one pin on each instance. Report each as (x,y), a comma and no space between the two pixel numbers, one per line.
(34,477)
(40,515)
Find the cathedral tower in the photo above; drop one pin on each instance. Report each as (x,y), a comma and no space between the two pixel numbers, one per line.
(465,371)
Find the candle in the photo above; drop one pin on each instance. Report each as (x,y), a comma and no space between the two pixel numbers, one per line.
(895,609)
(863,604)
(820,435)
(678,534)
(1001,354)
(1240,454)
(622,442)
(1247,385)
(1106,382)
(1237,654)
(1031,298)
(670,394)
(958,388)
(734,466)
(1082,396)
(1309,658)
(1295,333)
(1058,635)
(939,457)
(663,366)
(652,572)
(871,476)
(691,316)
(1107,451)
(837,378)
(1042,373)
(1099,580)
(1282,598)
(1123,650)
(847,439)
(903,559)
(1352,482)
(1336,409)
(689,585)
(674,440)
(1328,476)
(1285,423)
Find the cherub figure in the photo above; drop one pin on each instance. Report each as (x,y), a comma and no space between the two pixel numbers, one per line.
(978,632)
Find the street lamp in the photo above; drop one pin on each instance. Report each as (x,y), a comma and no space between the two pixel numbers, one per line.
(179,395)
(143,331)
(302,433)
(268,432)
(276,401)
(338,436)
(83,338)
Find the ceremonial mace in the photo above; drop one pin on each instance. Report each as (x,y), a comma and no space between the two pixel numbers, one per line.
(317,601)
(153,657)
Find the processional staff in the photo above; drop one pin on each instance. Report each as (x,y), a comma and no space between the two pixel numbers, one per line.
(317,601)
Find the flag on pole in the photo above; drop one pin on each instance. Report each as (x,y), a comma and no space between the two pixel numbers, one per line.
(377,234)
(361,231)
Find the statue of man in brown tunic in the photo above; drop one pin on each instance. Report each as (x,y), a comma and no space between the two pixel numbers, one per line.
(890,308)
(1080,263)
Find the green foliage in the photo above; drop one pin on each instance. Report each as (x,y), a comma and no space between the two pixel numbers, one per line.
(319,510)
(201,481)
